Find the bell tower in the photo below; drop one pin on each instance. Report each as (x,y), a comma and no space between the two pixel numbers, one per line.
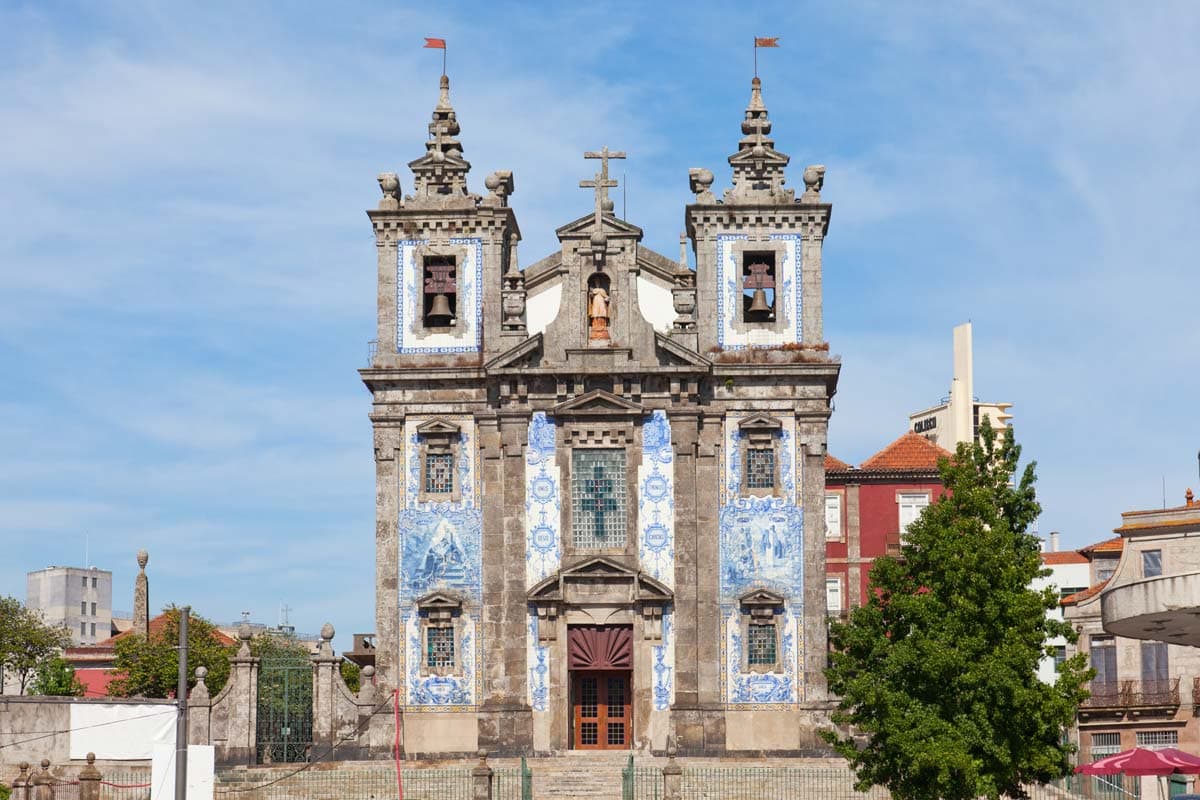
(758,250)
(449,284)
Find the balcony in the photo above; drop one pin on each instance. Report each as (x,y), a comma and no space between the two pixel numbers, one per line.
(1136,698)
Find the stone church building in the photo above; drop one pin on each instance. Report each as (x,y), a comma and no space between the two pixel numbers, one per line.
(594,474)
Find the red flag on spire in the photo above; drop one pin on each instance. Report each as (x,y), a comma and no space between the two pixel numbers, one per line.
(437,44)
(763,41)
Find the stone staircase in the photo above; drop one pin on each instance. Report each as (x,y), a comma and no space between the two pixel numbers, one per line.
(596,776)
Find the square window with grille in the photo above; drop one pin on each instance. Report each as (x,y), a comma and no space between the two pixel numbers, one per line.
(439,473)
(1157,740)
(598,498)
(760,468)
(760,645)
(439,647)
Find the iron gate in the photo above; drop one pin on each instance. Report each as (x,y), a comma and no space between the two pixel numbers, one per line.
(285,708)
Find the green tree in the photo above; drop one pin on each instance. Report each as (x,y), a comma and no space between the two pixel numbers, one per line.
(938,672)
(55,677)
(26,641)
(148,666)
(352,675)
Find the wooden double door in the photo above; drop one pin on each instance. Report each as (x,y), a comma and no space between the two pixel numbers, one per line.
(601,710)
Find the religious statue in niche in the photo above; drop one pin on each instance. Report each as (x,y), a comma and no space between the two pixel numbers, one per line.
(598,303)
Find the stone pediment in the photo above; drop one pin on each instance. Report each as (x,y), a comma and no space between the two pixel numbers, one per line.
(760,423)
(761,598)
(439,601)
(601,578)
(585,225)
(443,160)
(438,427)
(682,355)
(598,403)
(768,155)
(525,354)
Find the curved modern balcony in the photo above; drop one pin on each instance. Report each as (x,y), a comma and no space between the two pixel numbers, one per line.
(1165,609)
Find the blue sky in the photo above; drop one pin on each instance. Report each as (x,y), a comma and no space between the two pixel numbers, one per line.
(187,273)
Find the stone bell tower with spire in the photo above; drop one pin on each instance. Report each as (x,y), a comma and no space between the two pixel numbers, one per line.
(599,479)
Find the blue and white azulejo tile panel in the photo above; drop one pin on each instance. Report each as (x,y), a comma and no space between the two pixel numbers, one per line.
(468,336)
(440,551)
(538,659)
(543,501)
(761,545)
(664,664)
(729,296)
(656,500)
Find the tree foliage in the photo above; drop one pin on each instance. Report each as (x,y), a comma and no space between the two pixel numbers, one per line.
(148,666)
(55,677)
(938,672)
(26,641)
(352,675)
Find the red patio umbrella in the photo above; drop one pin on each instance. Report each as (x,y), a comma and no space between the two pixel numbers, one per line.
(1140,761)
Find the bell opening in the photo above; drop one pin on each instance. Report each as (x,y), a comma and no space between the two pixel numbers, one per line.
(441,296)
(758,287)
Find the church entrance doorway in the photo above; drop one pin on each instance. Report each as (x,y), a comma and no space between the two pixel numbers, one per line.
(600,658)
(602,716)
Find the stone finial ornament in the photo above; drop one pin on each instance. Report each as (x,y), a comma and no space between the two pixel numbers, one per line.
(245,634)
(701,180)
(327,631)
(1188,496)
(814,179)
(500,184)
(143,558)
(200,690)
(389,184)
(366,685)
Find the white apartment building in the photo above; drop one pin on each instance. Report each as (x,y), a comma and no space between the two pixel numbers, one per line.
(76,597)
(956,419)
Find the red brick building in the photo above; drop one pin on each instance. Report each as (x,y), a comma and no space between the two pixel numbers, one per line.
(867,508)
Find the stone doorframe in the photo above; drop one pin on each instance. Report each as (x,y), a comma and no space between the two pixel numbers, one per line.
(600,590)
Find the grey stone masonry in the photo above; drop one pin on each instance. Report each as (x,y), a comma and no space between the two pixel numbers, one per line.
(461,376)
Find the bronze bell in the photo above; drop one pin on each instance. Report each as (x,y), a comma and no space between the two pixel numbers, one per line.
(439,311)
(758,303)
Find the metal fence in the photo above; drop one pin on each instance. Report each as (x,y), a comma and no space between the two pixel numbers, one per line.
(828,783)
(374,783)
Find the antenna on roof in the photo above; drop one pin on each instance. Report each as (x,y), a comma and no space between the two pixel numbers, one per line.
(625,208)
(1164,487)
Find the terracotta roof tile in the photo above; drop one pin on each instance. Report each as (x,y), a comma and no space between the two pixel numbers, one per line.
(1079,597)
(1064,557)
(156,626)
(1113,545)
(833,464)
(910,453)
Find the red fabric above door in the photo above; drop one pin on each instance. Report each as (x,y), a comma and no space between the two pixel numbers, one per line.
(600,647)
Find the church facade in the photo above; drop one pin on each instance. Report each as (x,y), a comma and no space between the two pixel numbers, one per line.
(600,479)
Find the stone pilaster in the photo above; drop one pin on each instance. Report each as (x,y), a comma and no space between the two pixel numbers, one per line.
(811,309)
(236,707)
(200,710)
(816,623)
(853,546)
(389,670)
(505,718)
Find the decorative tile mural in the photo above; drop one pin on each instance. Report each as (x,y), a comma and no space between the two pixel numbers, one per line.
(538,659)
(543,540)
(468,336)
(761,546)
(664,665)
(440,550)
(656,500)
(729,298)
